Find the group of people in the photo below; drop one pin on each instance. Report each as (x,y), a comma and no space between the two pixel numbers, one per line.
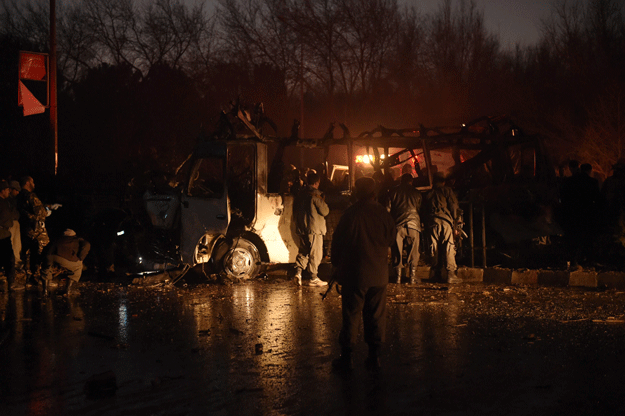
(436,214)
(26,254)
(376,222)
(592,215)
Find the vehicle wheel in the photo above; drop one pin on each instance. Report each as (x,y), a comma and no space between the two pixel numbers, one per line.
(242,261)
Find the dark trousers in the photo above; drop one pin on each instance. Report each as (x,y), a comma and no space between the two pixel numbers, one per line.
(31,256)
(7,259)
(370,303)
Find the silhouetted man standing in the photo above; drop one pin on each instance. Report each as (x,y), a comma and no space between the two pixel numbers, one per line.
(8,214)
(360,247)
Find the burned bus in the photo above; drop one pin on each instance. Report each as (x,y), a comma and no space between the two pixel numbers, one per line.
(224,205)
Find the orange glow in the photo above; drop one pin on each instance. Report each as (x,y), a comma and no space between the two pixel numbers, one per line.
(367,158)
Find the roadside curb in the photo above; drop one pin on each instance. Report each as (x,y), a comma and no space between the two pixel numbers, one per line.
(501,276)
(562,278)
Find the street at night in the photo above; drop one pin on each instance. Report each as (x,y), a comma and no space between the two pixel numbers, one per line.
(265,347)
(195,161)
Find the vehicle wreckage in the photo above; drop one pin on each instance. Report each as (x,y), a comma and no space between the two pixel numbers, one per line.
(224,205)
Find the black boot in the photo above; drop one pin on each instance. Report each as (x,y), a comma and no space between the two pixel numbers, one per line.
(398,273)
(372,363)
(45,284)
(344,362)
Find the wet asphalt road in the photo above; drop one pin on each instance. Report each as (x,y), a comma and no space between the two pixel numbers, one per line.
(265,347)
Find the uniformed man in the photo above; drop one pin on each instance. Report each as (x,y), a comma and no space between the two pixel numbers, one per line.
(310,210)
(33,215)
(404,204)
(440,214)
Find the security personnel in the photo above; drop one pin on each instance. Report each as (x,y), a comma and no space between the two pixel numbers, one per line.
(440,213)
(32,225)
(69,252)
(404,204)
(360,246)
(310,210)
(8,214)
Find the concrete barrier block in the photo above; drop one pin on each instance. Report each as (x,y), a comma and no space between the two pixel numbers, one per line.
(524,277)
(470,274)
(612,280)
(583,278)
(496,275)
(553,277)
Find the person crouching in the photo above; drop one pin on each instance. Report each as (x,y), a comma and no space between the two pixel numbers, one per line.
(68,251)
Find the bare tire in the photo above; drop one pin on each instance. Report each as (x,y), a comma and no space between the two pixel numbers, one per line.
(242,261)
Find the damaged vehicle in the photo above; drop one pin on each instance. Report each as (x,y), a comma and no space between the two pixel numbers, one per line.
(503,177)
(225,206)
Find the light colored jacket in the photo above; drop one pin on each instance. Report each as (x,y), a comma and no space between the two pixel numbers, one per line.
(310,212)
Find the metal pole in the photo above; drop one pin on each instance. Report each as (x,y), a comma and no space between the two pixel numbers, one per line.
(471,234)
(484,234)
(301,103)
(52,85)
(301,86)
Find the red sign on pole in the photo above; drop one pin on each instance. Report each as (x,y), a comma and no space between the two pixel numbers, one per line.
(26,99)
(33,66)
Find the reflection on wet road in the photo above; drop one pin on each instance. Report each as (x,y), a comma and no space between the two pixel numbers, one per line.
(265,347)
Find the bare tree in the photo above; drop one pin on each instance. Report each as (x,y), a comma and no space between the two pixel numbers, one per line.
(167,31)
(28,20)
(460,54)
(112,23)
(604,135)
(584,41)
(369,33)
(263,31)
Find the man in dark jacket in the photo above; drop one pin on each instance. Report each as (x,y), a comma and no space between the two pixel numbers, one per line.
(360,248)
(8,214)
(440,213)
(68,251)
(310,210)
(404,204)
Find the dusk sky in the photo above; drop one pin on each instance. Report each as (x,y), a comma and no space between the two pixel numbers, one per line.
(514,20)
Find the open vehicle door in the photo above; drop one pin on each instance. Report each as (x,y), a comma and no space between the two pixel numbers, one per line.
(205,213)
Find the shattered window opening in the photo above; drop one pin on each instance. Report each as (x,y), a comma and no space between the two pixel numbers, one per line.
(207,179)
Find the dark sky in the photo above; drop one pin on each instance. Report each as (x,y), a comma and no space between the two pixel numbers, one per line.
(513,20)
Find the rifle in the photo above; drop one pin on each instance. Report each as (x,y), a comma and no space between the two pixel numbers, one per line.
(332,282)
(458,231)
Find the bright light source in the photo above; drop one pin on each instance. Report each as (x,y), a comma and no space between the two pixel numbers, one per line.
(119,233)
